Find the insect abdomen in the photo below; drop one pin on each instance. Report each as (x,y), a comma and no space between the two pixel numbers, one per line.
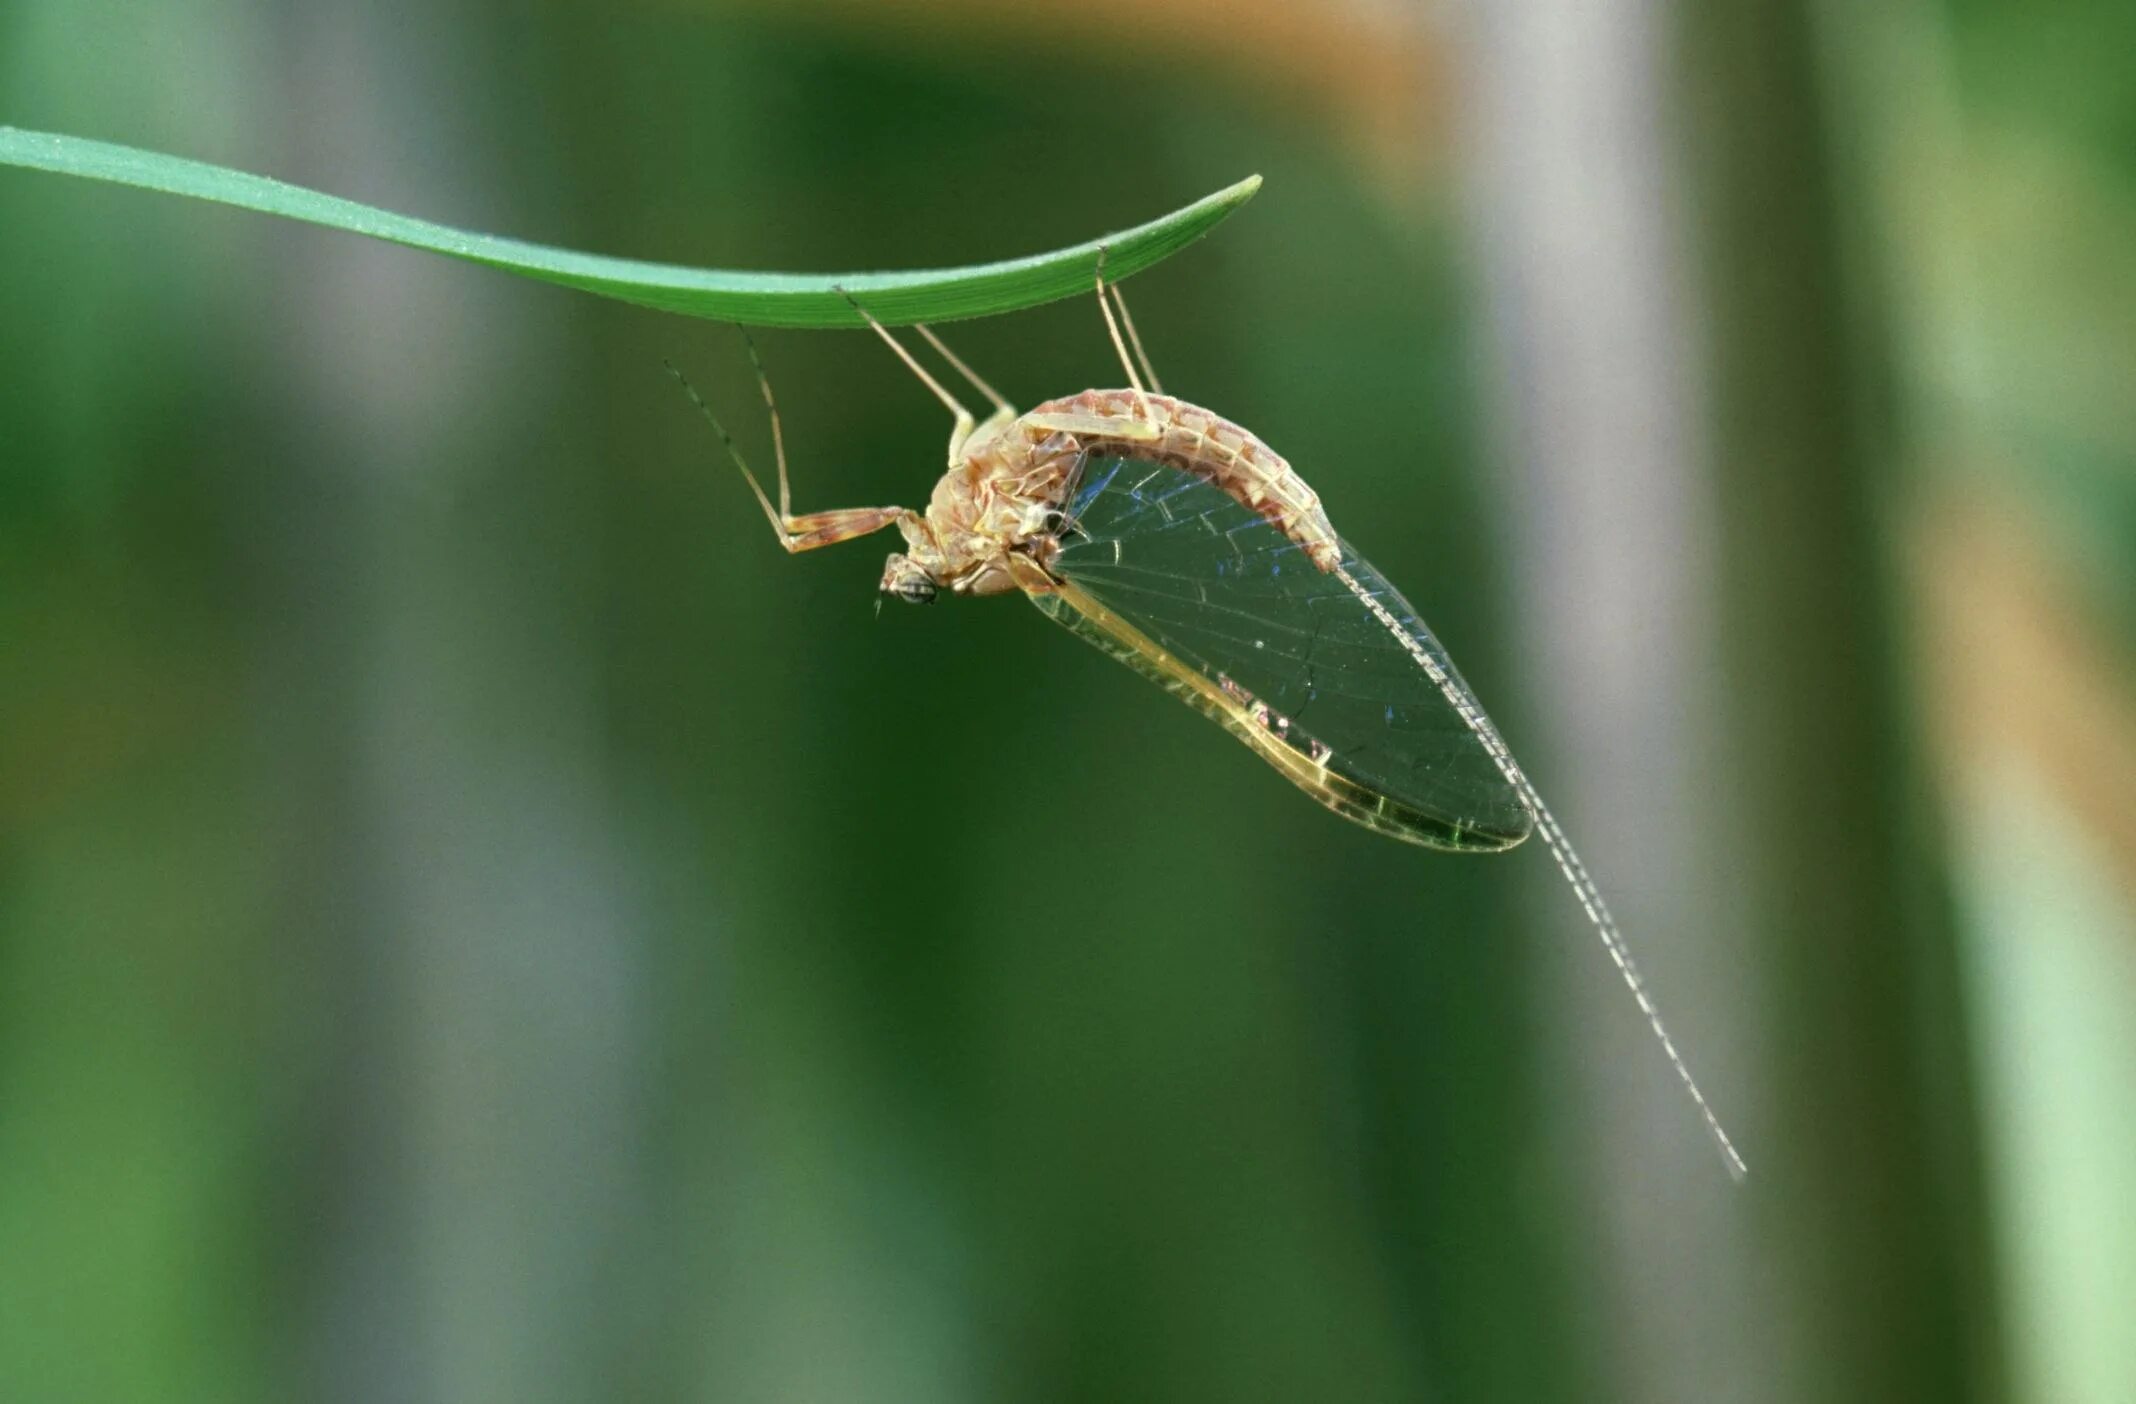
(1209,446)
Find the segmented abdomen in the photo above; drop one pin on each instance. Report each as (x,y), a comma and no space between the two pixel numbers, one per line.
(1209,446)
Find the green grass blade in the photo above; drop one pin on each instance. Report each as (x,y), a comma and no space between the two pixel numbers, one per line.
(757,299)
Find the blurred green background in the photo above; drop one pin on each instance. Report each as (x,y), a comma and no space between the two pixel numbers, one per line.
(478,922)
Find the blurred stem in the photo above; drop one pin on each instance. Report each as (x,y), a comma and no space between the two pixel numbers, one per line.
(1874,1218)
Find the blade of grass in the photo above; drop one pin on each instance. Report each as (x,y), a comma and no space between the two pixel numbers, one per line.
(757,299)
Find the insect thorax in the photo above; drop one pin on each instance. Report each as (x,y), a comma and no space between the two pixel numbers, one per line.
(1005,496)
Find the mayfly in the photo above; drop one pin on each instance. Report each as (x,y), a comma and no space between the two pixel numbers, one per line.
(1182,545)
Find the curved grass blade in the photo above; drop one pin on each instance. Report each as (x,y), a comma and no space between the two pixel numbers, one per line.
(754,299)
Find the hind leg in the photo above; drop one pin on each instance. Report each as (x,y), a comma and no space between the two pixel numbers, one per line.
(1112,327)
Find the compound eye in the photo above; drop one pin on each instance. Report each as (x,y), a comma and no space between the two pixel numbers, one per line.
(921,591)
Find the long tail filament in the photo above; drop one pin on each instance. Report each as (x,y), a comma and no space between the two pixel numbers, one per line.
(1561,849)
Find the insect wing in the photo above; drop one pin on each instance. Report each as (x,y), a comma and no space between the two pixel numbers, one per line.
(1179,580)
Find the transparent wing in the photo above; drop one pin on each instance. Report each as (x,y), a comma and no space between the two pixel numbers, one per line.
(1177,579)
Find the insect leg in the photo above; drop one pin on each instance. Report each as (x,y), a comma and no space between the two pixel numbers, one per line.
(1095,427)
(813,529)
(1003,410)
(964,425)
(1134,381)
(1134,339)
(778,435)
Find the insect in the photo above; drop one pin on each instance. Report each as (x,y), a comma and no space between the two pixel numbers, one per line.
(1179,543)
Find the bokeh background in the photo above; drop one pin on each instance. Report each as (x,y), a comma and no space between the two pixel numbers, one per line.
(477,922)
